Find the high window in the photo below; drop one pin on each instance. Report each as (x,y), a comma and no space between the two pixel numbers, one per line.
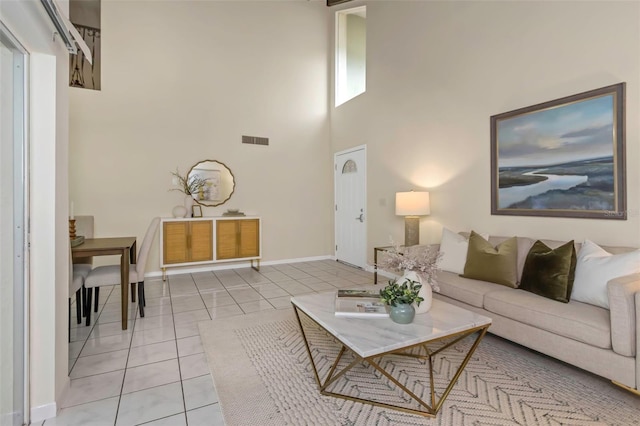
(351,49)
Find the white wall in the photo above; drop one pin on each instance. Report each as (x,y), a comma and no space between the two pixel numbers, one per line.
(48,134)
(438,70)
(182,81)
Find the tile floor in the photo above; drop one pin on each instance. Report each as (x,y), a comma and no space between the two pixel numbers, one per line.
(155,372)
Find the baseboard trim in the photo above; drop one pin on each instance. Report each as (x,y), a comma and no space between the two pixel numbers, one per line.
(43,412)
(222,266)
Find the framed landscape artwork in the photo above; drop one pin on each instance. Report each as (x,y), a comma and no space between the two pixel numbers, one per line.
(562,158)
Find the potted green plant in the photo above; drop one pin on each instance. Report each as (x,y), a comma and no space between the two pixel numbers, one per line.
(417,263)
(399,297)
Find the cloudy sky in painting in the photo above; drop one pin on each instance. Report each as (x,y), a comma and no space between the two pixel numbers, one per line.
(577,131)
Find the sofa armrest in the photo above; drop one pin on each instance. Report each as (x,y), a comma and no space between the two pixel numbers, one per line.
(622,307)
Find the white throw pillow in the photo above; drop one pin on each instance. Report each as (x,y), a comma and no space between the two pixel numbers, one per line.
(454,248)
(595,267)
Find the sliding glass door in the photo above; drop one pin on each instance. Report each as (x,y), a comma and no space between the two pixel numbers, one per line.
(13,251)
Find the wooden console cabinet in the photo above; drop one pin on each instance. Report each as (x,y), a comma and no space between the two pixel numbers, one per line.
(237,238)
(203,240)
(187,241)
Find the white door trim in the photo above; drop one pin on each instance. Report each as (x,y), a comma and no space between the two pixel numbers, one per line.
(21,154)
(335,201)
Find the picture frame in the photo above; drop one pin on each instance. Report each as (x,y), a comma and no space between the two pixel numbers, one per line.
(562,158)
(196,211)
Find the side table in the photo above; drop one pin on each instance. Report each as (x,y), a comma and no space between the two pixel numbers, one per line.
(375,261)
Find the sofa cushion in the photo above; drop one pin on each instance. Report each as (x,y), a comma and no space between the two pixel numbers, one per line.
(524,244)
(579,321)
(596,267)
(549,272)
(464,289)
(494,264)
(453,249)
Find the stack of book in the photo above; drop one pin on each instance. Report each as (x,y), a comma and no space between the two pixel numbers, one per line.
(360,303)
(233,212)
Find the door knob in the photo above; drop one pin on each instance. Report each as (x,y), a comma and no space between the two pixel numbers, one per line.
(360,218)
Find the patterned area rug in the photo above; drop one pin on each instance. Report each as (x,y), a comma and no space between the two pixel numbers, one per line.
(262,375)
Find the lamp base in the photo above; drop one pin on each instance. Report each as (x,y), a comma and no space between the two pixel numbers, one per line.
(411,230)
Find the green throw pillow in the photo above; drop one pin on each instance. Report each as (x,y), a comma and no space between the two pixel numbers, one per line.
(494,264)
(549,272)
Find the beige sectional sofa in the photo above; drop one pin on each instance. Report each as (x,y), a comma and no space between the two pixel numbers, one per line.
(603,341)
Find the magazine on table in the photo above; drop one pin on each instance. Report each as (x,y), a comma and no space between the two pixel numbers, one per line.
(366,305)
(359,293)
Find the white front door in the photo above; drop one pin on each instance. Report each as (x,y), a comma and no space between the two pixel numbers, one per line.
(350,206)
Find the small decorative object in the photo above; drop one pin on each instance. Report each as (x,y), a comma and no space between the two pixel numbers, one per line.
(72,228)
(423,260)
(179,211)
(402,313)
(233,212)
(188,204)
(196,211)
(400,296)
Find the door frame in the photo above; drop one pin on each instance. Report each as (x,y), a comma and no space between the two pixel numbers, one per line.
(335,201)
(21,147)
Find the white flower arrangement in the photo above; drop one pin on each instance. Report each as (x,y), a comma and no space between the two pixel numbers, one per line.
(421,259)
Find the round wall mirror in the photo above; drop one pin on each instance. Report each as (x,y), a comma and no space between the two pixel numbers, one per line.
(217,182)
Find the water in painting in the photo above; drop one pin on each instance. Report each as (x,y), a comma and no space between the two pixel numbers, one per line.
(559,158)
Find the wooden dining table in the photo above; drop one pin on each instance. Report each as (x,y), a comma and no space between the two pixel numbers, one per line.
(123,246)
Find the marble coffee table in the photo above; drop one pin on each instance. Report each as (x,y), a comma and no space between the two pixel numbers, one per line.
(369,340)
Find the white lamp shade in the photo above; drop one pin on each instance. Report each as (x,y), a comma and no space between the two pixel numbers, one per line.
(412,203)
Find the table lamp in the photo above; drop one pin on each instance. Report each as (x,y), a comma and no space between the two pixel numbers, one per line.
(412,205)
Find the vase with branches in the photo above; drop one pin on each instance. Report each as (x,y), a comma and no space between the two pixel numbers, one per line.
(423,260)
(189,185)
(417,264)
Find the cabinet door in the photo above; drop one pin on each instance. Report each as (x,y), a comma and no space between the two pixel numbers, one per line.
(226,239)
(201,243)
(249,238)
(174,237)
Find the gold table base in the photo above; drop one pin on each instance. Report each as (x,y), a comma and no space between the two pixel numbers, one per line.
(431,408)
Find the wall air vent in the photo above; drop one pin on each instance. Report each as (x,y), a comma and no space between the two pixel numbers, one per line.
(255,140)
